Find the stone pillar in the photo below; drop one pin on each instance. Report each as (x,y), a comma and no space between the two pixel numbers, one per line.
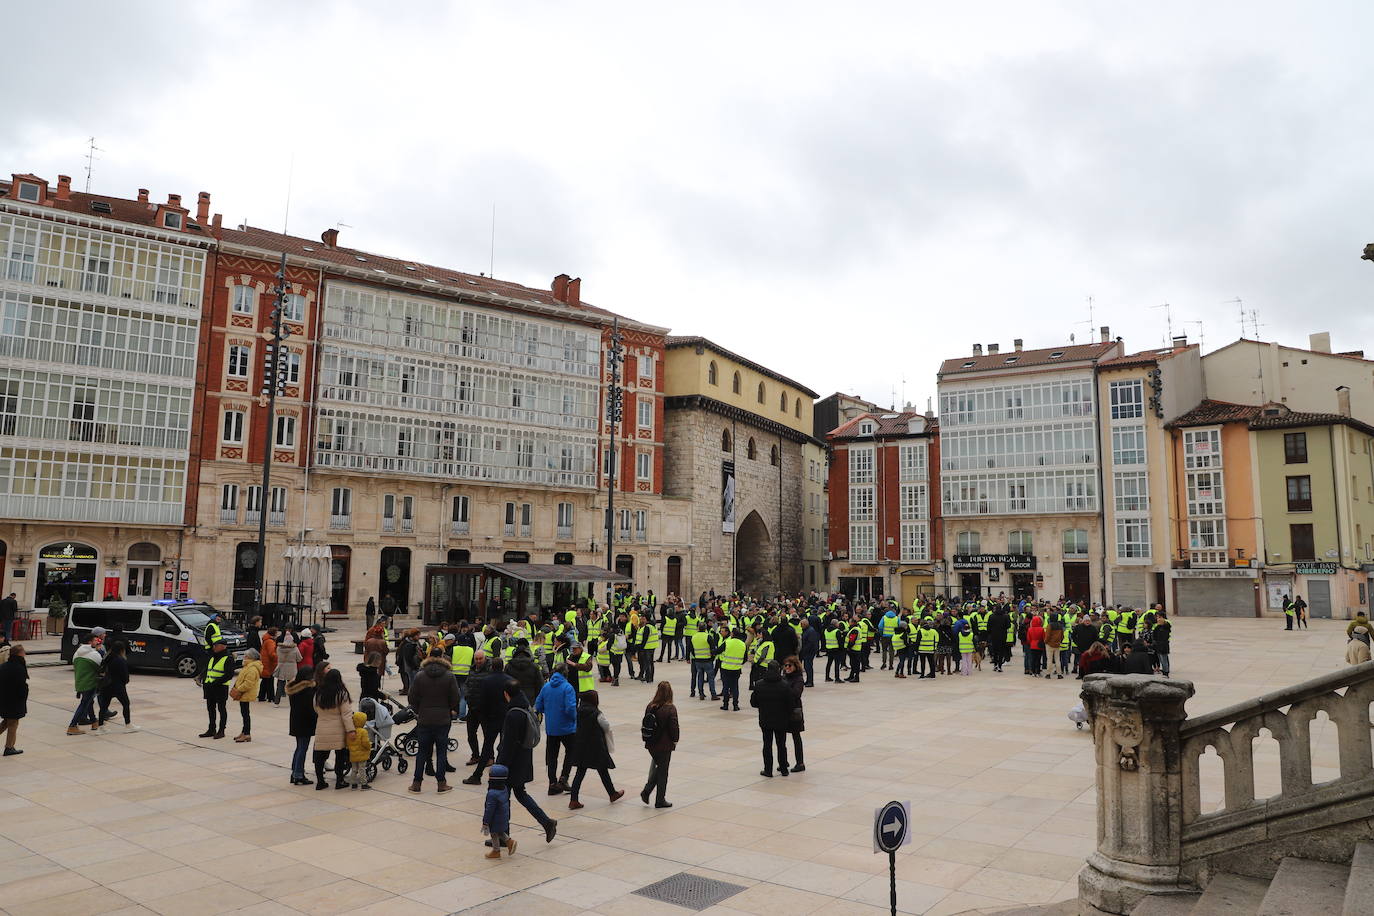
(1135,721)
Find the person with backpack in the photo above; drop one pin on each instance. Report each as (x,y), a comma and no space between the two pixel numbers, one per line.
(659,732)
(519,738)
(113,679)
(593,745)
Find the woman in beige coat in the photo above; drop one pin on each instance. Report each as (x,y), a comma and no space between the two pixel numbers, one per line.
(1357,650)
(245,690)
(333,722)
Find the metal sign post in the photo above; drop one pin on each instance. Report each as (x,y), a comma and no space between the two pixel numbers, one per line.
(891,831)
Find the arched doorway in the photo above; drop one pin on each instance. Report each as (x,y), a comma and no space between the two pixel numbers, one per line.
(144,562)
(755,558)
(66,571)
(675,575)
(395,581)
(245,575)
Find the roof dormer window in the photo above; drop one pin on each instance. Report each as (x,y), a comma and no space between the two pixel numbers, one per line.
(171,220)
(29,191)
(866,428)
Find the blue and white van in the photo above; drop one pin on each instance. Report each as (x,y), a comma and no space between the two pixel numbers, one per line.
(160,634)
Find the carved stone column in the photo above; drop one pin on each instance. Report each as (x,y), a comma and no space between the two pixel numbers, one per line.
(1135,720)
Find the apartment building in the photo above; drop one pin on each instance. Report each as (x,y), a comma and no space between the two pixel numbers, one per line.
(1020,473)
(100,317)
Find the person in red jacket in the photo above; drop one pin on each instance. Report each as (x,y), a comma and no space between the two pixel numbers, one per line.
(1035,640)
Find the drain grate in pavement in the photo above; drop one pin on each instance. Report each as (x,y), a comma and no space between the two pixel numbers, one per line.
(691,891)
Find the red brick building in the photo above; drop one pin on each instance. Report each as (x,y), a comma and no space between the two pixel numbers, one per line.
(885,536)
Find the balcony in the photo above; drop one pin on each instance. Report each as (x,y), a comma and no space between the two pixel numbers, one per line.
(624,534)
(525,531)
(565,532)
(388,523)
(509,529)
(1209,559)
(407,524)
(460,528)
(641,535)
(251,516)
(228,516)
(340,522)
(276,519)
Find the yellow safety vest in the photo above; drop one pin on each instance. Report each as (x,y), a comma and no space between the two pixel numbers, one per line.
(585,681)
(928,641)
(651,640)
(763,652)
(965,641)
(460,660)
(701,646)
(214,669)
(832,639)
(732,656)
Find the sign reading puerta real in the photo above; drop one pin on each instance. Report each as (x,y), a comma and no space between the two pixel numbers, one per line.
(1006,560)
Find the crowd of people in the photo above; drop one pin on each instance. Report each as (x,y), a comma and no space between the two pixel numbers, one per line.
(510,684)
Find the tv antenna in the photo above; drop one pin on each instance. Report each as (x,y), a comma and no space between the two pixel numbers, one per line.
(91,150)
(1201,340)
(1168,323)
(1090,323)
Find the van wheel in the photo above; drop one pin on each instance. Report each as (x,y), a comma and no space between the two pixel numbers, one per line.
(186,666)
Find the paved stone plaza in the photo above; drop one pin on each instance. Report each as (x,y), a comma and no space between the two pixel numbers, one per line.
(1001,787)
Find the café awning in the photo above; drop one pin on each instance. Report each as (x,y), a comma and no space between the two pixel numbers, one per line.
(553,572)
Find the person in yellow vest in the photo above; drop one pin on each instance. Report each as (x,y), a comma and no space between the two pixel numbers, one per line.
(897,636)
(854,648)
(672,645)
(762,652)
(834,651)
(580,670)
(649,643)
(927,641)
(632,644)
(732,653)
(460,664)
(965,639)
(703,649)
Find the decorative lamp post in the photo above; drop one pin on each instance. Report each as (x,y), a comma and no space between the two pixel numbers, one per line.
(273,383)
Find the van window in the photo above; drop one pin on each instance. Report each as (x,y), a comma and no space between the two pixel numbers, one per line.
(92,615)
(195,616)
(162,622)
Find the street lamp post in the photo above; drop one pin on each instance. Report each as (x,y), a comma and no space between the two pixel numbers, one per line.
(614,412)
(273,381)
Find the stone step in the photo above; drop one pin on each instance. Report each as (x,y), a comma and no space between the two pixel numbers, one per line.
(1231,895)
(1166,905)
(1359,888)
(1303,887)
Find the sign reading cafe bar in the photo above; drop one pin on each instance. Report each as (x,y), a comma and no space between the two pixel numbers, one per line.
(1007,560)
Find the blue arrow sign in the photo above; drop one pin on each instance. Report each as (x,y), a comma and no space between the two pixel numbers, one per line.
(891,826)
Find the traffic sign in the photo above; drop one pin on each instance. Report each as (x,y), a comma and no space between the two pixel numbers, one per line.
(892,827)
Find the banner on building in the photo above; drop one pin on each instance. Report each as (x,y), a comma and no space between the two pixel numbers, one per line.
(184,585)
(727,497)
(167,577)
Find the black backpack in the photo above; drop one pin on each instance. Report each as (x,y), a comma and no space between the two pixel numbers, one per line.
(649,725)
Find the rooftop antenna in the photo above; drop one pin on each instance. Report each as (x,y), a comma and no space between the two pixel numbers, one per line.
(91,150)
(491,263)
(1168,323)
(1201,341)
(1090,323)
(290,175)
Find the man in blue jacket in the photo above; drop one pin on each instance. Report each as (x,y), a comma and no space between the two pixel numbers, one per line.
(557,702)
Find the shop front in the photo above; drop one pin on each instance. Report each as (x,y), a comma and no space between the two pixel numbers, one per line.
(67,571)
(862,582)
(1218,592)
(483,591)
(986,575)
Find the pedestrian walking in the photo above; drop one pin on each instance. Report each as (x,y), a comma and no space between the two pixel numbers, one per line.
(796,684)
(557,703)
(247,684)
(14,697)
(593,745)
(659,731)
(114,684)
(519,736)
(300,697)
(434,696)
(333,721)
(85,677)
(288,663)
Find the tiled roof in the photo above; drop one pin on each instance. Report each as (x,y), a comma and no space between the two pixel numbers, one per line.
(1294,418)
(885,424)
(1344,354)
(1210,413)
(1018,360)
(694,341)
(121,209)
(1143,358)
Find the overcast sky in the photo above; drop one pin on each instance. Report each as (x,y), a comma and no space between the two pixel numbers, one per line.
(847,193)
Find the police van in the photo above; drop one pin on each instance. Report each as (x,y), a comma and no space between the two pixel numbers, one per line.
(160,634)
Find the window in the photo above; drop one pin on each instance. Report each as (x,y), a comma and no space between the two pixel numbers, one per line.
(1075,543)
(293,307)
(23,252)
(1132,538)
(245,298)
(1201,448)
(526,519)
(1132,491)
(641,525)
(796,412)
(96,277)
(725,441)
(286,432)
(171,220)
(1295,448)
(1128,400)
(712,373)
(968,542)
(1300,494)
(624,524)
(1205,495)
(861,504)
(735,384)
(229,504)
(915,548)
(646,413)
(861,465)
(866,428)
(233,428)
(644,466)
(1301,538)
(252,505)
(773,456)
(28,191)
(751,451)
(782,402)
(911,460)
(646,368)
(341,508)
(459,517)
(565,521)
(276,510)
(1206,533)
(1128,445)
(238,362)
(407,513)
(762,393)
(1020,542)
(862,543)
(389,512)
(292,365)
(912,500)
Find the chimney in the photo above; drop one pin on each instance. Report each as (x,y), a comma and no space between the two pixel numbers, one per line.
(64,187)
(1017,344)
(574,292)
(1319,342)
(1106,334)
(1180,340)
(143,195)
(560,287)
(203,207)
(174,200)
(217,222)
(330,237)
(977,349)
(1343,401)
(993,348)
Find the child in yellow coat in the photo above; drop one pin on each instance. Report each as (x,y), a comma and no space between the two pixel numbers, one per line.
(359,750)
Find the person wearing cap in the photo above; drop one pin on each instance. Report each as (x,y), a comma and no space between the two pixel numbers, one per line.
(219,671)
(517,757)
(86,675)
(212,631)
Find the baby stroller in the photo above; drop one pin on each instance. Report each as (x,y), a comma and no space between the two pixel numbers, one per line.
(385,751)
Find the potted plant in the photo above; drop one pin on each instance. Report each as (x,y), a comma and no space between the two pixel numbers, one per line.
(57,615)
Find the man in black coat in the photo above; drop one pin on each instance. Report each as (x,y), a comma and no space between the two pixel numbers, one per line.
(810,648)
(1082,636)
(784,638)
(998,626)
(773,699)
(490,709)
(9,611)
(516,757)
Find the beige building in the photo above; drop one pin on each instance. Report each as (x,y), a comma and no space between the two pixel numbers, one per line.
(1259,372)
(734,443)
(815,516)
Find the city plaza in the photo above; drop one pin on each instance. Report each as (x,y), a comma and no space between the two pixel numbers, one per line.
(1000,783)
